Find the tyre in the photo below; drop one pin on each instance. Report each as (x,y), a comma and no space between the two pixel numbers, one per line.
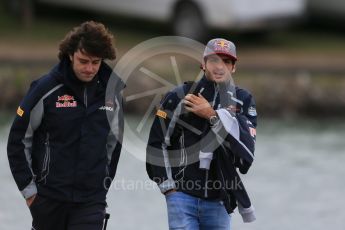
(188,22)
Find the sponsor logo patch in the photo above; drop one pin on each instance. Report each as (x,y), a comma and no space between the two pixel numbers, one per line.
(162,114)
(222,45)
(107,108)
(20,112)
(66,101)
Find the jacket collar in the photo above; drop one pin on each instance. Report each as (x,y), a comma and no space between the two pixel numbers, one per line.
(207,82)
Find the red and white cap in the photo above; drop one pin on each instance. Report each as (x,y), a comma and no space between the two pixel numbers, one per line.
(220,46)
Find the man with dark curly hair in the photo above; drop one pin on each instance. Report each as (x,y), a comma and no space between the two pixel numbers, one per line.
(65,142)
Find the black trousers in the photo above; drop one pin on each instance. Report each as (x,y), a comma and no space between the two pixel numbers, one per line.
(48,214)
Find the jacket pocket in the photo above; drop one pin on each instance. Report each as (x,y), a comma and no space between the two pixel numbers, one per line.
(46,160)
(181,163)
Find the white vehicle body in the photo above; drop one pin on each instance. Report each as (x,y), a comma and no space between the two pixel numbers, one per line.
(221,14)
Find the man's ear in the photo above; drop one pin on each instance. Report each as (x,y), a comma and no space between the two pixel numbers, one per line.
(70,57)
(233,69)
(203,65)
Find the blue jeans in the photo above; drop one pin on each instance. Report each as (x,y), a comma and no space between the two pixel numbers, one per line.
(186,212)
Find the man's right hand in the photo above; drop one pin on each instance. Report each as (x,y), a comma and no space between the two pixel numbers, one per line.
(170,191)
(30,200)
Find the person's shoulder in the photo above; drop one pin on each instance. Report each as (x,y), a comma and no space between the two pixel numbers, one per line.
(47,82)
(172,96)
(242,93)
(44,84)
(249,104)
(182,89)
(37,91)
(175,95)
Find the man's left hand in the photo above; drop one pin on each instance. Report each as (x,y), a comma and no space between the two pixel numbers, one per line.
(199,106)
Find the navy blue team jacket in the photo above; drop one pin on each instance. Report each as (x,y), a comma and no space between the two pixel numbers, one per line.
(65,141)
(176,139)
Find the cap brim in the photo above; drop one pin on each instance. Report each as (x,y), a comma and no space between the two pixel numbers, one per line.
(226,54)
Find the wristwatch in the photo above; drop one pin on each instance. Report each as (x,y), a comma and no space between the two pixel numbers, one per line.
(213,120)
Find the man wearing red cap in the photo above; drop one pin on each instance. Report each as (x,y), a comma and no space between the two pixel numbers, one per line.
(202,135)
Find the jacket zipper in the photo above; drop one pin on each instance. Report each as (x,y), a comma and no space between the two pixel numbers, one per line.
(46,160)
(215,95)
(85,96)
(206,173)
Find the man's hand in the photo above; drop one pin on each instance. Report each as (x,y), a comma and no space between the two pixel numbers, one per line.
(199,106)
(169,192)
(30,200)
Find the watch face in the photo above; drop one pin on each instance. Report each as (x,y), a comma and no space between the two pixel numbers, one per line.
(213,120)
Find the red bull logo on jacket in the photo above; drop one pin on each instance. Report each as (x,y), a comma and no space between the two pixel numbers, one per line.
(66,101)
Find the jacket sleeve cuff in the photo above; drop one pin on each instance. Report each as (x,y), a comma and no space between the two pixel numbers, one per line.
(229,122)
(167,185)
(248,214)
(217,127)
(29,190)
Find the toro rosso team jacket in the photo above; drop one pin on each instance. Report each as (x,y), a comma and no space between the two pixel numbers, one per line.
(178,140)
(65,141)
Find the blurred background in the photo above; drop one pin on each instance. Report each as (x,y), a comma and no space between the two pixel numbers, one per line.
(291,57)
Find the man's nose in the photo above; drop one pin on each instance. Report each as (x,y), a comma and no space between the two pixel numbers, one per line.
(89,67)
(220,65)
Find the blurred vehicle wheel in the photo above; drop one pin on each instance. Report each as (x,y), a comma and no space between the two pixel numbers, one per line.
(188,22)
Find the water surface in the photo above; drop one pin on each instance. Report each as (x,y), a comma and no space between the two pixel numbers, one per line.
(296,182)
